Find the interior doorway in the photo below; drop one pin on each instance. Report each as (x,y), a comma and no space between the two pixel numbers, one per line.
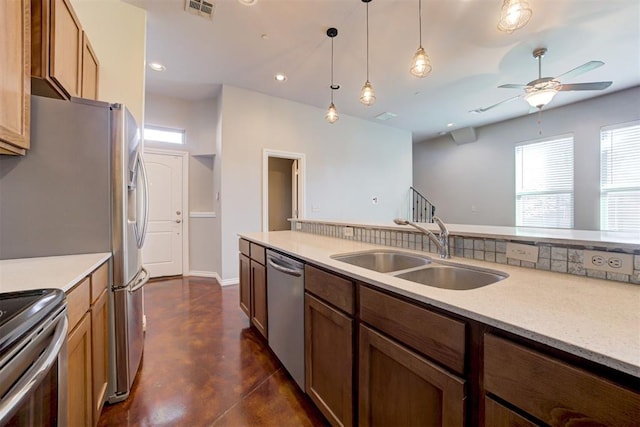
(282,190)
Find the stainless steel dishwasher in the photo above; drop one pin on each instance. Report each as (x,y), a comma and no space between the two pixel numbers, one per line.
(285,309)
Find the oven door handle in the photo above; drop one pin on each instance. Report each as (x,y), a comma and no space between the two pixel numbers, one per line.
(34,376)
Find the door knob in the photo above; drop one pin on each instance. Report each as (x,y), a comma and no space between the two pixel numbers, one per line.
(178,221)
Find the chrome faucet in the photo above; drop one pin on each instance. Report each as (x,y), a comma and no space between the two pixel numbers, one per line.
(441,241)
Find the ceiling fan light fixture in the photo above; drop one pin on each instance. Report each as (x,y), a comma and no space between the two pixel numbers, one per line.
(514,15)
(540,98)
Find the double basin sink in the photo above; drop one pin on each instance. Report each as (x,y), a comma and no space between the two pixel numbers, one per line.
(423,269)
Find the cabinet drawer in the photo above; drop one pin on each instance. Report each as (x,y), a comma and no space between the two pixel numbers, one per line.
(551,390)
(436,336)
(331,288)
(244,247)
(99,280)
(78,301)
(257,253)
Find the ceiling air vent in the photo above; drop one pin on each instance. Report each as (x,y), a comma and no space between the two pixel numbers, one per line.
(200,7)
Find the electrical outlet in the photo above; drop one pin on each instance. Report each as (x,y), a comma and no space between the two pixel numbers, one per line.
(522,252)
(374,200)
(613,262)
(347,231)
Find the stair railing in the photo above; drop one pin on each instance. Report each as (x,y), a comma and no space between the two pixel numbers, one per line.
(422,210)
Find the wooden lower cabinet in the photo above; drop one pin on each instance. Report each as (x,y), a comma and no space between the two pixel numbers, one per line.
(497,415)
(329,360)
(100,352)
(259,297)
(553,391)
(245,284)
(399,387)
(79,380)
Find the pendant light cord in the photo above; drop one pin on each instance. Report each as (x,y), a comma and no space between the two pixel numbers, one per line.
(331,70)
(367,41)
(420,20)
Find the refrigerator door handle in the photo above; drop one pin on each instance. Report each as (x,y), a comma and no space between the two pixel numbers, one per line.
(139,282)
(145,201)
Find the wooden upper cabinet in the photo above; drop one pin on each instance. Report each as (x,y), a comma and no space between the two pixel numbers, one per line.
(90,70)
(15,84)
(56,49)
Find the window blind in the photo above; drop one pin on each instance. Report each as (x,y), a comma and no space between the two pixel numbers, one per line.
(544,183)
(620,178)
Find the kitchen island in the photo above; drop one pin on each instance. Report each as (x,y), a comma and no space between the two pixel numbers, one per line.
(543,320)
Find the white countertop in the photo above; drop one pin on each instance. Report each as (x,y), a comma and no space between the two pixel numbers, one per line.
(60,272)
(595,319)
(607,239)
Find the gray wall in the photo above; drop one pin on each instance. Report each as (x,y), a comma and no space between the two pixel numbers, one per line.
(346,164)
(198,118)
(280,199)
(481,174)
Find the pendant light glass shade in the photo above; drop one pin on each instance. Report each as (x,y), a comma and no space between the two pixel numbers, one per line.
(367,95)
(540,98)
(332,114)
(514,15)
(421,64)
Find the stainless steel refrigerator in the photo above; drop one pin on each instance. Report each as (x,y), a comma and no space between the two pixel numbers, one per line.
(81,188)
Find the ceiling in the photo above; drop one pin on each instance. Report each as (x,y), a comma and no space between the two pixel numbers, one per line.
(244,46)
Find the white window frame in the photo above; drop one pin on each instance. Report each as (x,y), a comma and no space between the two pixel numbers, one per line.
(612,188)
(172,131)
(521,194)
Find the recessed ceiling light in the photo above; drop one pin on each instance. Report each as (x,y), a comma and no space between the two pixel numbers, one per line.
(449,125)
(248,2)
(280,77)
(156,66)
(264,36)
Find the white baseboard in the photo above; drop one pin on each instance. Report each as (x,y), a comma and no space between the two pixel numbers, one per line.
(211,274)
(215,275)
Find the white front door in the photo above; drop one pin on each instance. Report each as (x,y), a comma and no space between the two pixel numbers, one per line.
(162,251)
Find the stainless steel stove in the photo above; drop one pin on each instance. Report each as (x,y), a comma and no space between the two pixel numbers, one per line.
(33,369)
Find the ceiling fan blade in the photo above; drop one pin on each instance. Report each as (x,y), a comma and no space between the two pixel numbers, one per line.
(482,110)
(512,86)
(591,65)
(586,86)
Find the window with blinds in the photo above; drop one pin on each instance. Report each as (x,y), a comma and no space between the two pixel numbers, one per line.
(544,183)
(620,178)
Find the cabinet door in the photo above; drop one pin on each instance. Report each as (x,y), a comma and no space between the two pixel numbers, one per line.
(100,351)
(399,387)
(66,47)
(259,297)
(15,86)
(79,386)
(497,415)
(245,284)
(329,360)
(90,70)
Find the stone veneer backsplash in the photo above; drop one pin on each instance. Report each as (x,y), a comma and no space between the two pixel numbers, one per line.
(552,257)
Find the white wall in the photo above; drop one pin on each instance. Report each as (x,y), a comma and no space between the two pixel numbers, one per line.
(198,119)
(482,173)
(346,164)
(117,32)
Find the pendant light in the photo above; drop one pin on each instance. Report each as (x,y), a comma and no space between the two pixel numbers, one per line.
(514,14)
(421,64)
(367,95)
(332,114)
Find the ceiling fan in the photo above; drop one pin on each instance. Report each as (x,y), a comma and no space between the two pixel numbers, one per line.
(540,92)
